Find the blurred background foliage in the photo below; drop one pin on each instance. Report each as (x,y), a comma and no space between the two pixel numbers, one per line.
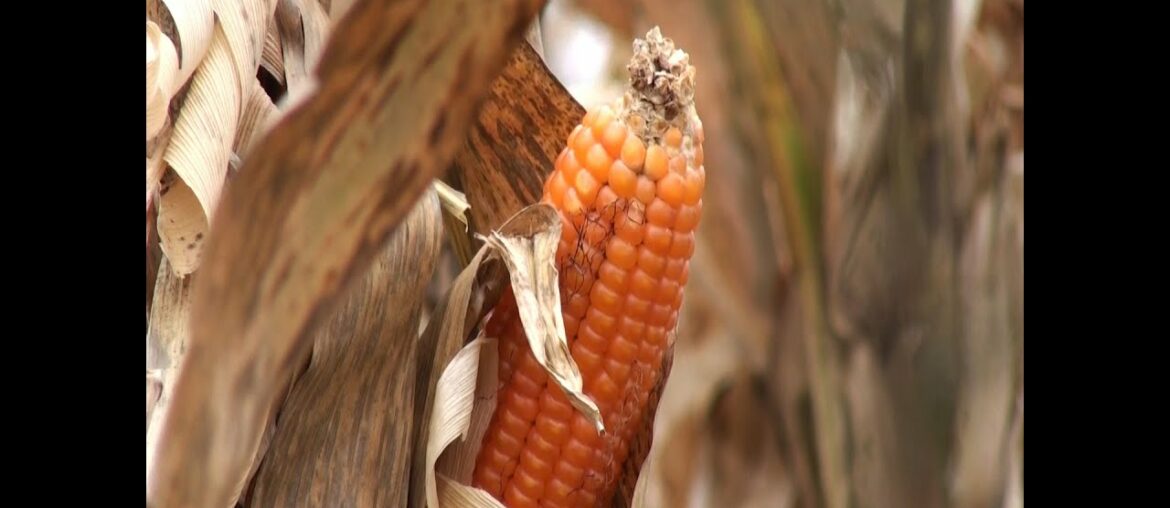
(853,332)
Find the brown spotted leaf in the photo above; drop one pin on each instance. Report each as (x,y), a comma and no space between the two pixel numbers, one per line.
(521,128)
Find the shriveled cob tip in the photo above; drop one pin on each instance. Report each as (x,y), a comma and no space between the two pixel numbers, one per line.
(662,88)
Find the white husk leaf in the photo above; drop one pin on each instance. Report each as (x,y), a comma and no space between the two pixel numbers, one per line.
(155,165)
(181,226)
(464,400)
(194,21)
(527,243)
(452,494)
(454,202)
(272,56)
(162,67)
(317,27)
(245,24)
(258,116)
(205,129)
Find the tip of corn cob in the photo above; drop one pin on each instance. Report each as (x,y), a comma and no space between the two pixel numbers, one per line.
(662,88)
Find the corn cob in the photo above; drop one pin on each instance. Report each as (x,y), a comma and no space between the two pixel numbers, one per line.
(628,186)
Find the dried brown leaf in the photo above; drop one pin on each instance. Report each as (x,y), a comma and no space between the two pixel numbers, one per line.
(868,400)
(345,411)
(298,77)
(785,150)
(458,460)
(167,337)
(312,205)
(740,456)
(804,40)
(990,265)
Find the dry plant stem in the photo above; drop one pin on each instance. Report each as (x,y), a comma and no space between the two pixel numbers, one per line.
(917,199)
(344,414)
(803,36)
(311,207)
(893,270)
(800,198)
